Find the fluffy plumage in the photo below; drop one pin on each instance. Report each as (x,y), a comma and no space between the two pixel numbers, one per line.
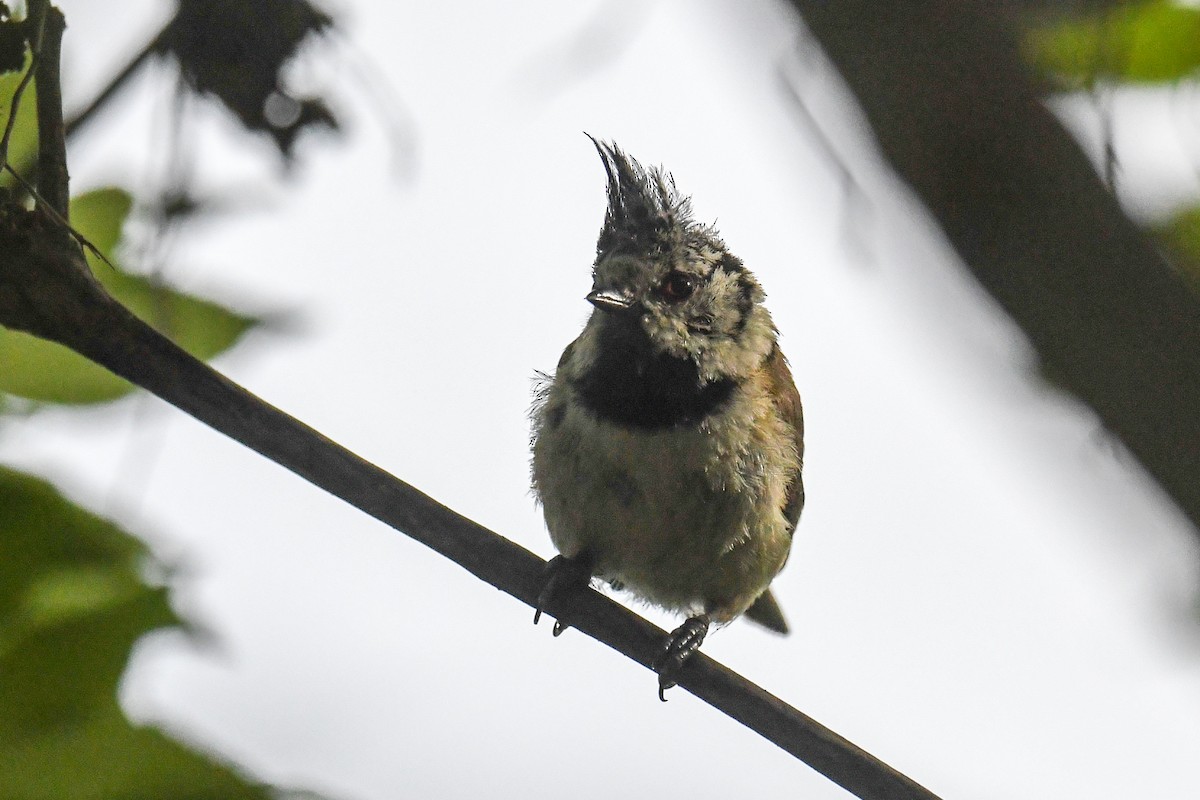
(667,446)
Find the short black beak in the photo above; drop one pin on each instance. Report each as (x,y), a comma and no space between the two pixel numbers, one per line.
(613,300)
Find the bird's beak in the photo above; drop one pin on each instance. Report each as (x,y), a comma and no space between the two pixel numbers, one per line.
(612,300)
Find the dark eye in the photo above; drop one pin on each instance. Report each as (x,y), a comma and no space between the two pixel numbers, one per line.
(677,287)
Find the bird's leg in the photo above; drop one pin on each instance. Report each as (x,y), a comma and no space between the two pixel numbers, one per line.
(679,646)
(562,574)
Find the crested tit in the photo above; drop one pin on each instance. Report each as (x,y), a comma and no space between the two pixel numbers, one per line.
(667,446)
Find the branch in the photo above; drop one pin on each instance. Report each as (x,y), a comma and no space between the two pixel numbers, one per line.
(958,117)
(52,149)
(47,290)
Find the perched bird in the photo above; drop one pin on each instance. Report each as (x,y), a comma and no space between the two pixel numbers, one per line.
(667,446)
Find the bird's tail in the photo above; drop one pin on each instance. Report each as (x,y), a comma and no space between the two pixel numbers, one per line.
(766,612)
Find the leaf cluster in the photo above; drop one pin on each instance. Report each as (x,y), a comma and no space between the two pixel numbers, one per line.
(1153,41)
(76,591)
(224,51)
(42,371)
(1147,43)
(74,598)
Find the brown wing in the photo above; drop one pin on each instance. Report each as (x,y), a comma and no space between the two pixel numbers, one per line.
(787,400)
(766,611)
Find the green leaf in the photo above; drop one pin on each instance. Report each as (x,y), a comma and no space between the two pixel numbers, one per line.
(1151,41)
(202,327)
(100,215)
(72,604)
(39,370)
(43,534)
(105,757)
(60,673)
(22,147)
(1180,238)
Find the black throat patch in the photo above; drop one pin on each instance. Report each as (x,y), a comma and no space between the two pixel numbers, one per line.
(630,384)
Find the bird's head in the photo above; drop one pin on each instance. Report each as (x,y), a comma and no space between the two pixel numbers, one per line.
(671,284)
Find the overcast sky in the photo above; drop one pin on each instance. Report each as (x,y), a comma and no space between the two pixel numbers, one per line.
(985,590)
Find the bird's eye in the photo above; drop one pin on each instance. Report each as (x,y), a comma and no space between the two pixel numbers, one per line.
(677,287)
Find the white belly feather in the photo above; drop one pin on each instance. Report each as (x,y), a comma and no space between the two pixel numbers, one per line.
(687,518)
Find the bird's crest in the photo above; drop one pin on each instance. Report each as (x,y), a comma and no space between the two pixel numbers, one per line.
(646,215)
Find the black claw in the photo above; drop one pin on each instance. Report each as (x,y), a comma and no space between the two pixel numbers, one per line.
(561,573)
(677,649)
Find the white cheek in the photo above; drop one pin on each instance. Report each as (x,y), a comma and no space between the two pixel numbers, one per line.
(667,331)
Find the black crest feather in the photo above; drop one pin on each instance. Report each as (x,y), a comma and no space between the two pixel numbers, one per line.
(646,214)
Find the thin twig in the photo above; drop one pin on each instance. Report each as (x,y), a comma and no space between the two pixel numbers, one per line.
(13,107)
(54,195)
(53,181)
(44,204)
(79,120)
(38,11)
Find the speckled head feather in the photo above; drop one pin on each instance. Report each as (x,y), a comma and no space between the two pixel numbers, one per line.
(646,214)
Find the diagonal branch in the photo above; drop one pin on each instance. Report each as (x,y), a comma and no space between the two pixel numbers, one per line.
(47,290)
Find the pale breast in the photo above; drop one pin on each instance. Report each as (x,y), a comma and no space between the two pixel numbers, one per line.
(689,518)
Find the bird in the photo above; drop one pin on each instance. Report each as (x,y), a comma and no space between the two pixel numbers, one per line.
(668,444)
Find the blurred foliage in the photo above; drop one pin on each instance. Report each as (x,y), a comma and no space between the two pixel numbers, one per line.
(12,41)
(1137,43)
(237,50)
(43,371)
(73,600)
(76,591)
(1151,41)
(22,145)
(1180,237)
(40,370)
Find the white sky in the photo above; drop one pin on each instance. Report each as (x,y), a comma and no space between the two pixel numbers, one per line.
(985,591)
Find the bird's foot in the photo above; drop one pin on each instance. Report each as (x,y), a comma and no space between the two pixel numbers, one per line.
(677,649)
(562,574)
